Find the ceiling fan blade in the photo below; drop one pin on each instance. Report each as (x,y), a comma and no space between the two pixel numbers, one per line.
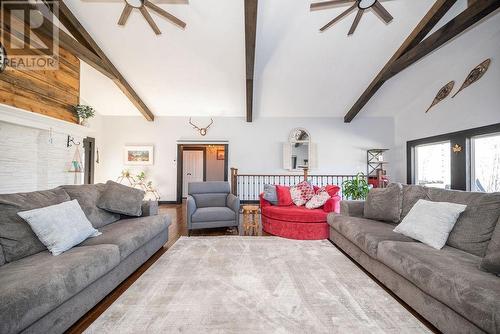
(150,20)
(326,4)
(335,20)
(382,12)
(165,14)
(356,21)
(125,14)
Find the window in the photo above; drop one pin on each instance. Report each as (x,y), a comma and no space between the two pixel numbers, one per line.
(485,166)
(433,165)
(464,160)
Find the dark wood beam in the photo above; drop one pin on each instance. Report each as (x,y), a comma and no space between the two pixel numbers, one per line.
(250,40)
(459,24)
(72,24)
(438,10)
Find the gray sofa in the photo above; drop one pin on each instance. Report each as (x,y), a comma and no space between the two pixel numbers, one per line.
(211,205)
(41,293)
(445,286)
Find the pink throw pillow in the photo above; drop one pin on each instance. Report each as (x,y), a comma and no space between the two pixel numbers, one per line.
(302,193)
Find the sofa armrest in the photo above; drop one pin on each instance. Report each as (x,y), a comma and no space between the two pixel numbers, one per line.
(149,208)
(233,202)
(352,208)
(191,208)
(333,204)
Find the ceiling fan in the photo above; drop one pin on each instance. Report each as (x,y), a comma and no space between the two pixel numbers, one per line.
(360,5)
(145,6)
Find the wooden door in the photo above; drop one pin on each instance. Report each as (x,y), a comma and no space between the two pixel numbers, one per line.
(192,169)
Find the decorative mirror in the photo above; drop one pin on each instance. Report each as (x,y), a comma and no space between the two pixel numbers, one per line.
(300,149)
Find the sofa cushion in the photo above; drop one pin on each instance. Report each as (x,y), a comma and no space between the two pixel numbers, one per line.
(385,204)
(118,198)
(35,285)
(60,227)
(284,195)
(302,193)
(491,262)
(411,195)
(270,194)
(295,214)
(365,233)
(2,257)
(130,234)
(213,214)
(210,200)
(474,229)
(16,237)
(449,275)
(431,222)
(87,196)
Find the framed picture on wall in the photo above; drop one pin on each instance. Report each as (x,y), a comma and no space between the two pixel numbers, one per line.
(138,155)
(221,155)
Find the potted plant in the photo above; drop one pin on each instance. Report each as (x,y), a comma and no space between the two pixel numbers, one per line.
(357,188)
(84,113)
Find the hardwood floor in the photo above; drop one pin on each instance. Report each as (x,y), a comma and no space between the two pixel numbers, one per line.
(177,229)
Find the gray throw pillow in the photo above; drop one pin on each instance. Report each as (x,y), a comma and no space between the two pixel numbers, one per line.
(60,227)
(476,224)
(16,236)
(385,204)
(270,194)
(88,195)
(121,199)
(411,195)
(430,222)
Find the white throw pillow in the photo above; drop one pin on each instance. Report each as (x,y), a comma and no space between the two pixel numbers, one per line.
(318,200)
(431,222)
(60,227)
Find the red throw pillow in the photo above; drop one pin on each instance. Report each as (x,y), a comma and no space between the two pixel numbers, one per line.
(332,190)
(329,206)
(302,193)
(284,196)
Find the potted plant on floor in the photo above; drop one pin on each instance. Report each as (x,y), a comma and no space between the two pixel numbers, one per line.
(356,189)
(84,113)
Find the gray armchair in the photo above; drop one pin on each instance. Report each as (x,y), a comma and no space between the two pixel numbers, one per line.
(211,205)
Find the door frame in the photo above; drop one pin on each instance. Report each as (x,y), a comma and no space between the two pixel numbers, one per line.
(197,147)
(89,156)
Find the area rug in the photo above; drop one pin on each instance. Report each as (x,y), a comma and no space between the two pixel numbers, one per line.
(255,285)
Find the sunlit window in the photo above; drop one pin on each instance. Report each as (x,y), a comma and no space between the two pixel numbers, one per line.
(486,163)
(433,165)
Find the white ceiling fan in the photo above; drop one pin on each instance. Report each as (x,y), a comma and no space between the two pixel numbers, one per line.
(144,6)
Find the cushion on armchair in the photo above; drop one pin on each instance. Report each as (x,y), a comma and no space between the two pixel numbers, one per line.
(302,193)
(284,196)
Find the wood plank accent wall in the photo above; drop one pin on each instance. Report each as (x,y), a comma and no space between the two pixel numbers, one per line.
(48,92)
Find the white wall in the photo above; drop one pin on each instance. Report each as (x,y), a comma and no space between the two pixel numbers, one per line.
(410,93)
(34,153)
(253,147)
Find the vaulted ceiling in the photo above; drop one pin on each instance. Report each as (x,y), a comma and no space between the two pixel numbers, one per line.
(200,71)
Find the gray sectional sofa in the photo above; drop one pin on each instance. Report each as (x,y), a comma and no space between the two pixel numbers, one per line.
(42,293)
(445,286)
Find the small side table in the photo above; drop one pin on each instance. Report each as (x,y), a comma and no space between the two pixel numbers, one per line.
(251,220)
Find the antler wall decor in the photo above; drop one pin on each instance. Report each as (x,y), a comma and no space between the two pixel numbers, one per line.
(202,131)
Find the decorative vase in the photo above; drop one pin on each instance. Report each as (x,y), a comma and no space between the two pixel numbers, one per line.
(83,122)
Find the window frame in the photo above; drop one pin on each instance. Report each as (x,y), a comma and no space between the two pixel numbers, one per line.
(461,170)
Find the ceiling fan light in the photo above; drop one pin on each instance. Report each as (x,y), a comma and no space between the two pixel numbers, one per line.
(135,3)
(365,4)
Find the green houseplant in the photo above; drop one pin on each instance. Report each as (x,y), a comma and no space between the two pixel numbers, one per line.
(84,113)
(357,188)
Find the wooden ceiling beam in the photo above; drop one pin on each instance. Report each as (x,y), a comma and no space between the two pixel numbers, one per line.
(476,12)
(251,7)
(433,16)
(73,24)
